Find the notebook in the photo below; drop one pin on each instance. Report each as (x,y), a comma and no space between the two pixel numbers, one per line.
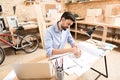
(33,70)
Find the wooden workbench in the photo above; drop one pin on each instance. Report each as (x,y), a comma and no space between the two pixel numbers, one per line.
(88,58)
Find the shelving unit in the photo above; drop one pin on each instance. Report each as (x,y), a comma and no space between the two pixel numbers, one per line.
(82,1)
(114,35)
(106,33)
(82,29)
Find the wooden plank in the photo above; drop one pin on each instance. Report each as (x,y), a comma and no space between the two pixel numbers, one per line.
(50,6)
(41,22)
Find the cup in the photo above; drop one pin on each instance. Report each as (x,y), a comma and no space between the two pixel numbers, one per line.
(59,74)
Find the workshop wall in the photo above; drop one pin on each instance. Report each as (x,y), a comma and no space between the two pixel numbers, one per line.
(80,8)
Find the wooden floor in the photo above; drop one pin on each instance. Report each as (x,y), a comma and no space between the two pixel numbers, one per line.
(113,59)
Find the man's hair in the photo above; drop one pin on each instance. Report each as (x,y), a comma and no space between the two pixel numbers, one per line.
(68,15)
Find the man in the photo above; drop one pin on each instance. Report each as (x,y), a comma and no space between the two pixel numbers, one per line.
(58,34)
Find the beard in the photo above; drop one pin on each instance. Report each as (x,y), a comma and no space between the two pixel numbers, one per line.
(64,28)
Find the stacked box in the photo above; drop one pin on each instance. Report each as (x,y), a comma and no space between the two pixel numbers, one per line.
(94,15)
(112,14)
(113,20)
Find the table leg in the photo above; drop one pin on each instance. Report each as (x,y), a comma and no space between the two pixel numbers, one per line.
(100,73)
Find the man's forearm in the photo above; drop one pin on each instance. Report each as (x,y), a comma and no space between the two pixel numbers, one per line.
(74,45)
(61,51)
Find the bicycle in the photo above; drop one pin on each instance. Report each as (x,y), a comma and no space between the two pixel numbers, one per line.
(28,43)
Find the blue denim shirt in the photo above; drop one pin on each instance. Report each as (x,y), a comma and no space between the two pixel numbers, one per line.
(54,38)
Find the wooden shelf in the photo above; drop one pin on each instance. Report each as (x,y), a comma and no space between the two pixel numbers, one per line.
(72,30)
(81,32)
(77,2)
(99,33)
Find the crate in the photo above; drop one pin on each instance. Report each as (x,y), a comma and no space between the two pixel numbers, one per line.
(94,12)
(112,10)
(113,20)
(94,18)
(94,15)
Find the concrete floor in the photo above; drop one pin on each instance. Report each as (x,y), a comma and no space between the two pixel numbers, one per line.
(112,58)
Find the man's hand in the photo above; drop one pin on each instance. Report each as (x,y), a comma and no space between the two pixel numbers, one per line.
(76,51)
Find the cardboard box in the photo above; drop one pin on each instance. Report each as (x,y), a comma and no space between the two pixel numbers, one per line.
(94,18)
(113,20)
(112,10)
(94,15)
(94,12)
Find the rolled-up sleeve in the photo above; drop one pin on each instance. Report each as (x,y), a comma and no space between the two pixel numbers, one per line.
(48,43)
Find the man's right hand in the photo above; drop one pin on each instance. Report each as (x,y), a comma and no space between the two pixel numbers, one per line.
(76,51)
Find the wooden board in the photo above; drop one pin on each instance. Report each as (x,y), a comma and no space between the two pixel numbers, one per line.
(40,21)
(50,6)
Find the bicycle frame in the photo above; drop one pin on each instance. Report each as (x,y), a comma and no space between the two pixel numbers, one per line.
(5,41)
(11,44)
(25,43)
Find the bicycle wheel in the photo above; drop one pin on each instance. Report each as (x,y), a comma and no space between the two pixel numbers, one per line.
(29,43)
(2,55)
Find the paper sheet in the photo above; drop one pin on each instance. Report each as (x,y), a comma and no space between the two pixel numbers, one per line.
(67,62)
(58,56)
(91,48)
(85,58)
(77,65)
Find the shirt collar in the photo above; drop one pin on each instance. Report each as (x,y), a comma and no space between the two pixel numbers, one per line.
(56,28)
